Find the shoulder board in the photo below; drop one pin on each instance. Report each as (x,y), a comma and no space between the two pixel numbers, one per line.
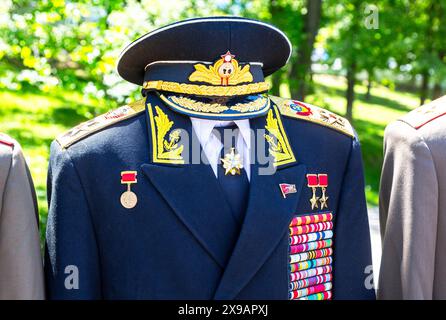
(304,111)
(5,140)
(103,121)
(421,116)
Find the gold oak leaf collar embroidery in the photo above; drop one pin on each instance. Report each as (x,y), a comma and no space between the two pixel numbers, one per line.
(279,146)
(165,142)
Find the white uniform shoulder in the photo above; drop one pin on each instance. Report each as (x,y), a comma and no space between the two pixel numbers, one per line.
(304,111)
(6,142)
(399,134)
(103,121)
(9,148)
(425,114)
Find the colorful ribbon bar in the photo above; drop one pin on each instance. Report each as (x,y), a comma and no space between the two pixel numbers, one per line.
(309,228)
(310,281)
(314,218)
(311,255)
(310,252)
(304,265)
(299,275)
(326,295)
(303,238)
(310,290)
(310,246)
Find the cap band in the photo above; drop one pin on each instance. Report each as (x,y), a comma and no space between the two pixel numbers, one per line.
(225,77)
(203,90)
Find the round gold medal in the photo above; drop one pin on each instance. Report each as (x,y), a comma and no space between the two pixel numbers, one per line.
(129,199)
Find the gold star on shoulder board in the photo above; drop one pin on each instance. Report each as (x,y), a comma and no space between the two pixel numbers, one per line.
(232,163)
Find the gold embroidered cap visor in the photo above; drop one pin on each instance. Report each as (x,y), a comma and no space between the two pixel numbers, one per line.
(218,108)
(205,53)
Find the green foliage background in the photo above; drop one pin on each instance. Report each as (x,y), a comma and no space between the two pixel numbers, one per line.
(57,62)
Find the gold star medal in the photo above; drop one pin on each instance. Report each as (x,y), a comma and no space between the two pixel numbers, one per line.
(232,162)
(313,183)
(129,198)
(323,183)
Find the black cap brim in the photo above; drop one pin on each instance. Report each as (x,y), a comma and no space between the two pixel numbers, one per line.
(206,39)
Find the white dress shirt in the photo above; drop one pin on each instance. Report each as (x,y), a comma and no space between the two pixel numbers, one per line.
(212,145)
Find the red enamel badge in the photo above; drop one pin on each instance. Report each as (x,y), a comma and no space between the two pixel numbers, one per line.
(287,189)
(312,180)
(300,108)
(128,177)
(323,180)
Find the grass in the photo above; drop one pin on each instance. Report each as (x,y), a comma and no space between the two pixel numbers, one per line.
(34,119)
(370,119)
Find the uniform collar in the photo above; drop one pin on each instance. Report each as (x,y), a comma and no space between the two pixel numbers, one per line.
(203,128)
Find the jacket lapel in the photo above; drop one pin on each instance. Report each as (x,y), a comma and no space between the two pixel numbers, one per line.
(192,191)
(267,221)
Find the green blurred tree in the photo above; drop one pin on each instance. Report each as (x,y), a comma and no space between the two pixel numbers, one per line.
(287,16)
(425,42)
(301,66)
(75,45)
(363,40)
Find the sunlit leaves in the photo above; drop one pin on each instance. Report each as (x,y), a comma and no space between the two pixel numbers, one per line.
(78,42)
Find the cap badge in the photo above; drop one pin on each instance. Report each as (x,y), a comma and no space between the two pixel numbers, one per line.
(225,71)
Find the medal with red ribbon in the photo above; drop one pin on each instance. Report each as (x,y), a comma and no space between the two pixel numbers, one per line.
(313,183)
(323,183)
(129,198)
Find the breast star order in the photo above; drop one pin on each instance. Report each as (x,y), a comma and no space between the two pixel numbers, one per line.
(232,162)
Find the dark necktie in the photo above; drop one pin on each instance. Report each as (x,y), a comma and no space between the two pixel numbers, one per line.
(235,187)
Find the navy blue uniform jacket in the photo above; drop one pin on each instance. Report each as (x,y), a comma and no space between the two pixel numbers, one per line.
(180,240)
